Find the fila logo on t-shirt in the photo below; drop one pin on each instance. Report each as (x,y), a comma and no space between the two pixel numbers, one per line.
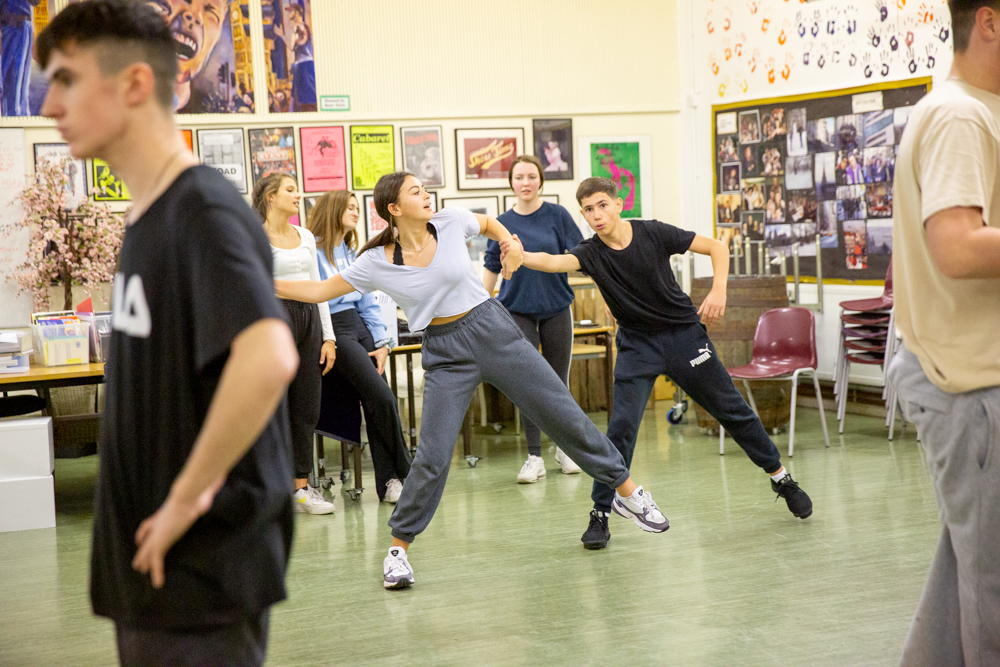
(130,312)
(705,355)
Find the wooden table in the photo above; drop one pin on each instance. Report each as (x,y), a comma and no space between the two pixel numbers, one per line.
(47,377)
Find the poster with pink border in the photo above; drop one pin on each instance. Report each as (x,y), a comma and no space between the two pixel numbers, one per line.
(324,164)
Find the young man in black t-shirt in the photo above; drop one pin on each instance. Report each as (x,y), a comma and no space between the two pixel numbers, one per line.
(660,333)
(195,457)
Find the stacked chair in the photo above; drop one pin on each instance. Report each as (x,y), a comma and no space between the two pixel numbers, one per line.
(867,336)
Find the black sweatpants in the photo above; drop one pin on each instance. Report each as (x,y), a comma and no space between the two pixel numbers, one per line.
(306,389)
(390,455)
(685,355)
(242,644)
(555,335)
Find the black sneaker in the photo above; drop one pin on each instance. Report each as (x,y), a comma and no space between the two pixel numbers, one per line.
(798,500)
(597,534)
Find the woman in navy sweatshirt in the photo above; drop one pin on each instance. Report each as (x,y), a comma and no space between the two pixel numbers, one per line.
(539,302)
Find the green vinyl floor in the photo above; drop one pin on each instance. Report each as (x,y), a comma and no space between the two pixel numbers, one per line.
(502,579)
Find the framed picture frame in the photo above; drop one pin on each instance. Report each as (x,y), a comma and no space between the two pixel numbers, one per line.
(553,139)
(272,150)
(373,154)
(76,171)
(626,161)
(324,161)
(487,205)
(510,200)
(105,186)
(374,223)
(307,205)
(423,154)
(484,156)
(225,151)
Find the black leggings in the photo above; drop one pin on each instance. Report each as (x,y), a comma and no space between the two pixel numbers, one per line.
(306,389)
(555,335)
(390,455)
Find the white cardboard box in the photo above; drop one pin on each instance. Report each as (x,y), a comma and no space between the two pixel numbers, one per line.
(26,448)
(26,504)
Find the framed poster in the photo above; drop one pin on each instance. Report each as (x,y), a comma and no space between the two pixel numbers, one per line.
(554,147)
(76,171)
(223,150)
(107,186)
(510,200)
(485,205)
(288,52)
(188,137)
(374,223)
(626,161)
(485,156)
(422,154)
(307,205)
(272,151)
(324,165)
(373,154)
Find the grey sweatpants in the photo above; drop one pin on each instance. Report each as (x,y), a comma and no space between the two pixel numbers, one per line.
(487,346)
(958,618)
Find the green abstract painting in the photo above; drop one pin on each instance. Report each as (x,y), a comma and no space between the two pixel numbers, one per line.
(620,163)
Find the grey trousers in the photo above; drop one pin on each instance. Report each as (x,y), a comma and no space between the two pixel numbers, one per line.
(487,346)
(958,618)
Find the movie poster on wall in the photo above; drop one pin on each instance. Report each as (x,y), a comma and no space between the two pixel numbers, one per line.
(107,186)
(76,171)
(422,154)
(223,150)
(373,154)
(324,165)
(272,150)
(288,48)
(626,161)
(485,156)
(374,223)
(554,147)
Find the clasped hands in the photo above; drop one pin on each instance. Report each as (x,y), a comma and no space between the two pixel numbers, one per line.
(511,256)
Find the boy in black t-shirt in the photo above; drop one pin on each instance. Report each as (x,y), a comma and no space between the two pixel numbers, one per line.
(195,457)
(661,333)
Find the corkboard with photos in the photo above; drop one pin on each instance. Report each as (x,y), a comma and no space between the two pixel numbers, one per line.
(788,168)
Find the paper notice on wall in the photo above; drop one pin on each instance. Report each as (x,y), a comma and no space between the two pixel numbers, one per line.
(725,123)
(14,309)
(865,102)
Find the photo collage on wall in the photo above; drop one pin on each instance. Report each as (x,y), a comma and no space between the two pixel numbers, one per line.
(787,171)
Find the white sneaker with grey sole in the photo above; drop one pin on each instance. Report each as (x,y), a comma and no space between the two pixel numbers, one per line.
(569,467)
(311,501)
(396,570)
(532,469)
(642,510)
(393,490)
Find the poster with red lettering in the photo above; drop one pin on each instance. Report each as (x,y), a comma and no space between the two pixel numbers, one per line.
(324,165)
(485,156)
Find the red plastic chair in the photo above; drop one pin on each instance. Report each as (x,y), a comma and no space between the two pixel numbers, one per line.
(883,302)
(784,346)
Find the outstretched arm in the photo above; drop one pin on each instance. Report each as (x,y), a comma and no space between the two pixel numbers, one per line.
(494,230)
(312,291)
(714,306)
(542,261)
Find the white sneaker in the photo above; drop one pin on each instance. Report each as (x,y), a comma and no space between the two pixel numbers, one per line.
(311,501)
(569,467)
(396,570)
(532,469)
(642,510)
(392,490)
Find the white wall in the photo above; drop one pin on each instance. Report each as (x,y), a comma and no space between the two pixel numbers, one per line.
(735,50)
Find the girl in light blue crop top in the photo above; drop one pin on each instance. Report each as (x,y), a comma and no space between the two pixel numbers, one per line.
(362,341)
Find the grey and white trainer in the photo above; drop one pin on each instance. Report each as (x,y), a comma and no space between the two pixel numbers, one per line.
(396,570)
(641,509)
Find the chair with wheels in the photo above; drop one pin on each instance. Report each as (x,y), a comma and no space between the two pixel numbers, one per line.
(784,347)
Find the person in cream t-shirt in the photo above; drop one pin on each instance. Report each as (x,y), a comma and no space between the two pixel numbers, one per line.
(946,271)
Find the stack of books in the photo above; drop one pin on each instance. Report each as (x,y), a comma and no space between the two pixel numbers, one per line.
(15,351)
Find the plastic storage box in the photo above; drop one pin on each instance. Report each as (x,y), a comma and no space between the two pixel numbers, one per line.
(100,334)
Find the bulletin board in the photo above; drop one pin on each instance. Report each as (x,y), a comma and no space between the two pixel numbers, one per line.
(788,168)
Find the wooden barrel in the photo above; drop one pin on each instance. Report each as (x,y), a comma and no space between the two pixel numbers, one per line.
(747,298)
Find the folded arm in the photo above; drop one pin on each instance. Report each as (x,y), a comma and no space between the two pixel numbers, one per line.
(961,245)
